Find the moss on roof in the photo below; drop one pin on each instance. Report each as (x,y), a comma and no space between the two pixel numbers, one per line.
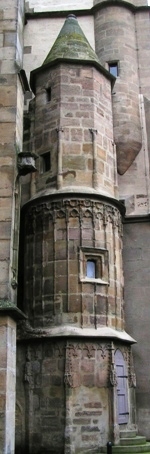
(71,43)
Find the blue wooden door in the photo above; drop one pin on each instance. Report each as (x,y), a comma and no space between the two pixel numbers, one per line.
(122,397)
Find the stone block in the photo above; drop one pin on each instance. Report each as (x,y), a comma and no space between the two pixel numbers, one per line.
(5,230)
(2,405)
(87,148)
(7,135)
(60,250)
(71,148)
(7,66)
(77,136)
(3,380)
(4,272)
(75,303)
(61,284)
(88,380)
(61,268)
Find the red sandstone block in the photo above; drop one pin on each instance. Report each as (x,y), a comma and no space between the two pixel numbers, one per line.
(71,148)
(73,267)
(73,284)
(86,73)
(87,366)
(88,105)
(87,234)
(87,136)
(75,303)
(73,89)
(87,84)
(87,148)
(82,114)
(88,380)
(74,233)
(88,303)
(61,284)
(77,134)
(69,121)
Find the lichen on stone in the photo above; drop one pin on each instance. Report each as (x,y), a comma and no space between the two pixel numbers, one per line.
(71,43)
(5,304)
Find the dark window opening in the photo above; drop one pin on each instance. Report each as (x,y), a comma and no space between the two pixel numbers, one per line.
(45,162)
(48,94)
(113,68)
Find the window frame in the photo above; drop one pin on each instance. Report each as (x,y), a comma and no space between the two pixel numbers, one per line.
(100,256)
(94,262)
(43,162)
(113,64)
(48,94)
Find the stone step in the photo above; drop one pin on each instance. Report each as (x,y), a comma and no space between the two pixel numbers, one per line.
(145,447)
(138,440)
(128,433)
(139,452)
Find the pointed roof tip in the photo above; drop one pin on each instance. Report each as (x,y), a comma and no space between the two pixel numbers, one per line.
(71,44)
(72,16)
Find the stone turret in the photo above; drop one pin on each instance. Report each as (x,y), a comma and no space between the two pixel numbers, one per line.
(74,141)
(75,124)
(73,279)
(119,51)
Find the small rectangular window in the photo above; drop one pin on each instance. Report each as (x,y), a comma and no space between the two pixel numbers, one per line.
(48,94)
(91,269)
(113,68)
(93,265)
(45,162)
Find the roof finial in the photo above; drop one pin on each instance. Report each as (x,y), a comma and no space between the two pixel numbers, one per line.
(71,16)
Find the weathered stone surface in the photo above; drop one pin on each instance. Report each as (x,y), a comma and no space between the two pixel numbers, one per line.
(125,96)
(7,382)
(11,112)
(62,274)
(71,388)
(136,269)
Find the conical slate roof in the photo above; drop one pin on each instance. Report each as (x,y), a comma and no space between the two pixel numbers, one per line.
(72,46)
(71,43)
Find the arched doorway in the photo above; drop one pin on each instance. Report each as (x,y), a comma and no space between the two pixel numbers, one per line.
(122,396)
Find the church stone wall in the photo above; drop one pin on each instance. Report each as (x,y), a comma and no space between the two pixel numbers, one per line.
(11,114)
(143,50)
(137,311)
(57,5)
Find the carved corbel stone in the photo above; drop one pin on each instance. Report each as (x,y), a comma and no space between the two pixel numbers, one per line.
(113,375)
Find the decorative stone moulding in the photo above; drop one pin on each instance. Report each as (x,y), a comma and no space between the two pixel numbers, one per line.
(75,208)
(26,162)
